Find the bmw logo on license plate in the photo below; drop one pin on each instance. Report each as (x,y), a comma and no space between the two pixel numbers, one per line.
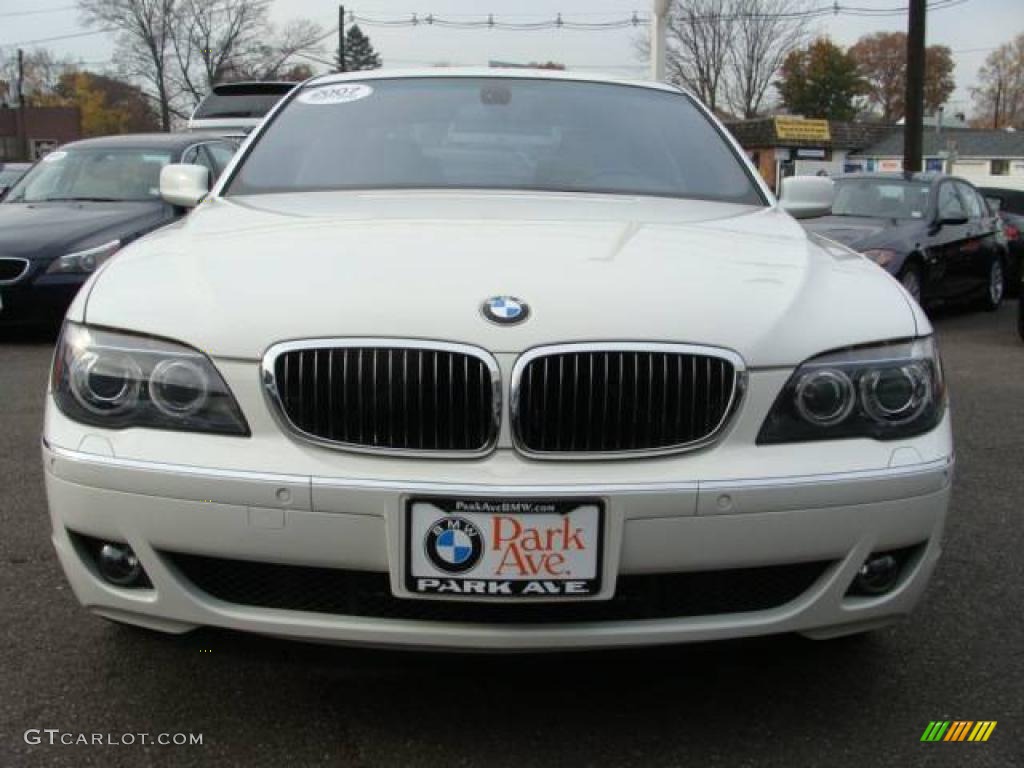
(453,545)
(505,310)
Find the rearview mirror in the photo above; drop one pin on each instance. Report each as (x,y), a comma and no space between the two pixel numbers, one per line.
(805,197)
(184,185)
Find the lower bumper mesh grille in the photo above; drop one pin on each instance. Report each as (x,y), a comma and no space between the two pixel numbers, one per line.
(359,593)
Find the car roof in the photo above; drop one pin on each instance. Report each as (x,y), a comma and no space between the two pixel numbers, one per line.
(527,73)
(173,141)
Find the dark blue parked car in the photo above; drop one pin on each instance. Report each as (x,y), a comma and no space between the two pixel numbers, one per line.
(934,233)
(78,206)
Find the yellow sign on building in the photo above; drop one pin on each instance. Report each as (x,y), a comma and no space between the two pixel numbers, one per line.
(800,129)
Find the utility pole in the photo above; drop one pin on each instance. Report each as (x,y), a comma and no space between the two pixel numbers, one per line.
(20,117)
(913,128)
(341,38)
(658,31)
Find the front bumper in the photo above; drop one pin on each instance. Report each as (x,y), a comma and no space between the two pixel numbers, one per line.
(38,300)
(653,527)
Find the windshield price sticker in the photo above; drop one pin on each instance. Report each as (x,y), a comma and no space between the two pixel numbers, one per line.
(342,93)
(504,548)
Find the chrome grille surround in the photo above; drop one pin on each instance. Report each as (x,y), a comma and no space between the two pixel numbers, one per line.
(9,266)
(713,434)
(273,394)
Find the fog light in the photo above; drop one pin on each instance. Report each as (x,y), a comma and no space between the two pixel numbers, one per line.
(878,575)
(118,564)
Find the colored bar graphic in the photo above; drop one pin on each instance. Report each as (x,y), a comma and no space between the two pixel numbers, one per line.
(935,730)
(958,730)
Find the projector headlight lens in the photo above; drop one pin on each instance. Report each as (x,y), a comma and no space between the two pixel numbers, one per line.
(178,387)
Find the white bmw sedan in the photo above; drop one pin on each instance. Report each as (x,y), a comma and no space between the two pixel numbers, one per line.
(495,360)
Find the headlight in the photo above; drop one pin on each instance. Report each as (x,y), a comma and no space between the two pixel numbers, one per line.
(84,262)
(885,392)
(118,380)
(883,257)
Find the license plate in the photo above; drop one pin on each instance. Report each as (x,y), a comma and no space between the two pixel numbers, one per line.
(502,548)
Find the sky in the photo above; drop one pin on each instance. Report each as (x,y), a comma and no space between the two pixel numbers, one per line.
(971,29)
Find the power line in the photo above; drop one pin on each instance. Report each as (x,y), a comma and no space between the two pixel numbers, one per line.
(58,37)
(976,50)
(10,14)
(491,21)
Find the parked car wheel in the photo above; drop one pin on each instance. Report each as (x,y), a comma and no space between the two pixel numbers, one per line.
(910,278)
(996,289)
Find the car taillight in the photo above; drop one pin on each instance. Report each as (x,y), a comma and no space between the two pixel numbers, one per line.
(1012,232)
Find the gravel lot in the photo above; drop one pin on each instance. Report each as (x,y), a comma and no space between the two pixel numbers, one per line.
(780,701)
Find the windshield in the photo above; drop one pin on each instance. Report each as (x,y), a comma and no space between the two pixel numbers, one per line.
(880,198)
(494,133)
(114,174)
(9,176)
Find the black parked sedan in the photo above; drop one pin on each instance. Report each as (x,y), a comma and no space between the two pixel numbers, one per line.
(934,233)
(78,206)
(1008,205)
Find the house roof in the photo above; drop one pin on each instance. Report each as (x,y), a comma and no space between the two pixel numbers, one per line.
(968,142)
(761,132)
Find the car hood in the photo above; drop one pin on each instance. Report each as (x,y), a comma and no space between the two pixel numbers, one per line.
(240,274)
(46,230)
(862,232)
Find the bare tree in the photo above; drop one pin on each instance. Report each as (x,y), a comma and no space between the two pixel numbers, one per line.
(762,34)
(699,36)
(42,73)
(272,59)
(144,44)
(728,52)
(999,96)
(178,49)
(213,37)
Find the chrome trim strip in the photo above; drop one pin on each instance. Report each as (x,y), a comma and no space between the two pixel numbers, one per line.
(23,272)
(184,470)
(268,383)
(738,392)
(866,475)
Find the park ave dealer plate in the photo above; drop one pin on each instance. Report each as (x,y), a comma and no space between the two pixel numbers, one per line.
(494,548)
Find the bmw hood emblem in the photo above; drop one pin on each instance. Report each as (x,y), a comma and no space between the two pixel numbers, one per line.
(505,310)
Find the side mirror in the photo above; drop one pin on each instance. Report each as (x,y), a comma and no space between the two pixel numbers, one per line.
(805,197)
(950,220)
(184,185)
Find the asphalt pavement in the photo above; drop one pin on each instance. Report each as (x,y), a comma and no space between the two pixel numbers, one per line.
(774,702)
